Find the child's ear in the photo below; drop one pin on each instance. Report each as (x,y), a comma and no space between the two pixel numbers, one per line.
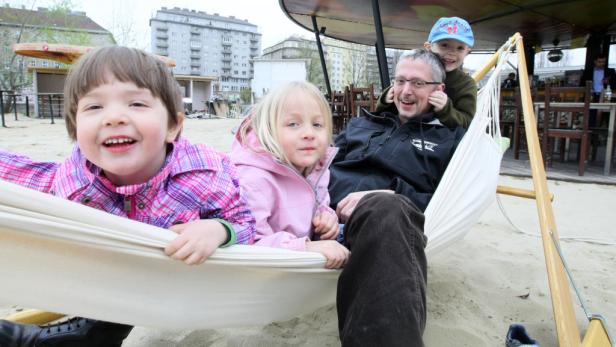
(427,45)
(174,132)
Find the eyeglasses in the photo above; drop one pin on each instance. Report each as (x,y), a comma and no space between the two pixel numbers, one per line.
(417,84)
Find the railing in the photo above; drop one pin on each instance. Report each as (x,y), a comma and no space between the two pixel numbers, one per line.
(11,98)
(50,105)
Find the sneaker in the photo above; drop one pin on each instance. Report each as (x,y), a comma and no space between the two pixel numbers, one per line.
(517,337)
(72,333)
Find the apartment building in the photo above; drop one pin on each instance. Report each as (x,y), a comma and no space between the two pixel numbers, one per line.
(346,62)
(208,45)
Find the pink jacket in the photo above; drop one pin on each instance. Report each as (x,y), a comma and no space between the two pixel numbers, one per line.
(282,201)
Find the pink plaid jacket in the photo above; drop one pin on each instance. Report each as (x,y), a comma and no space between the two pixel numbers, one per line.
(195,182)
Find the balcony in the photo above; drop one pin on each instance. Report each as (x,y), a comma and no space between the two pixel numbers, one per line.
(195,30)
(195,64)
(162,45)
(195,55)
(226,58)
(226,43)
(225,74)
(162,35)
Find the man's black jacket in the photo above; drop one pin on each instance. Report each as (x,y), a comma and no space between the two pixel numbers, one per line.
(377,151)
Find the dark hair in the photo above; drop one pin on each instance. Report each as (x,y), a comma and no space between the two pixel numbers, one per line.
(126,65)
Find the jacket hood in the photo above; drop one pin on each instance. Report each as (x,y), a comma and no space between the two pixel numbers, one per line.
(251,153)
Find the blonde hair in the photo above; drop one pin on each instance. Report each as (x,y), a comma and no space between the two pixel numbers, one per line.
(264,116)
(126,65)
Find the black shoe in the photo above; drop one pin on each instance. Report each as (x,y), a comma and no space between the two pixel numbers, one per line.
(517,337)
(76,332)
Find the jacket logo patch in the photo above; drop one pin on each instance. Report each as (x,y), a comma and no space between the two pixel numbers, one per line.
(429,146)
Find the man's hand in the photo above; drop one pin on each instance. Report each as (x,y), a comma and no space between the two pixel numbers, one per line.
(438,99)
(326,225)
(347,205)
(196,240)
(335,253)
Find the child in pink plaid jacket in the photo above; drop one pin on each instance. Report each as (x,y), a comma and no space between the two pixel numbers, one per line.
(122,106)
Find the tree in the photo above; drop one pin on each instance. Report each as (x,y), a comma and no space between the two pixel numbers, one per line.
(123,28)
(246,95)
(355,67)
(29,26)
(314,71)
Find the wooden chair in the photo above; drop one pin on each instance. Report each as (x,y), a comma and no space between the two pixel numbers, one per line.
(361,97)
(340,109)
(519,132)
(556,127)
(508,109)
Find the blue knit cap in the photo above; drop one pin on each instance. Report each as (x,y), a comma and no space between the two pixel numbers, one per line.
(454,28)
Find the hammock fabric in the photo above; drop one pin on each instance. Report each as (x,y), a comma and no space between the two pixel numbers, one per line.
(60,256)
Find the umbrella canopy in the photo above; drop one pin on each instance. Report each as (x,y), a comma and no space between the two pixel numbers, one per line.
(66,54)
(406,24)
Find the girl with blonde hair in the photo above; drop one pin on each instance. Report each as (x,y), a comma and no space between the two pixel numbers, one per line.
(282,153)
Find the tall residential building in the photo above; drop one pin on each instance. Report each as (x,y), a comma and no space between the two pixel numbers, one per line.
(208,45)
(346,62)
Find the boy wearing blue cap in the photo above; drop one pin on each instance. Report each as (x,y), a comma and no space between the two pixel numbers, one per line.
(451,38)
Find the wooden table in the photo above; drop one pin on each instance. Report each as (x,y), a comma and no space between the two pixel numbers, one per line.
(600,106)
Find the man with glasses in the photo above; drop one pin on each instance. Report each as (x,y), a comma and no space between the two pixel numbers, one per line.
(387,168)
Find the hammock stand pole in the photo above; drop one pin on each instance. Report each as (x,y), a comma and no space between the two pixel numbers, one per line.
(562,304)
(560,290)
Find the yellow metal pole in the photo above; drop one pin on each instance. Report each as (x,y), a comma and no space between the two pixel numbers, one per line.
(562,305)
(479,74)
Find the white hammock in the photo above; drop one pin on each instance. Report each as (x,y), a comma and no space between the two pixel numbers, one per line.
(468,186)
(60,256)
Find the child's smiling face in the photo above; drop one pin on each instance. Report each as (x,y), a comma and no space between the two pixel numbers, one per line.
(451,52)
(124,130)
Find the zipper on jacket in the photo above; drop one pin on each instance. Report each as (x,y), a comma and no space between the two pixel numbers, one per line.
(316,182)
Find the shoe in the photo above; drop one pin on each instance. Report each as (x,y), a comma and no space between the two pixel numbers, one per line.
(517,337)
(75,332)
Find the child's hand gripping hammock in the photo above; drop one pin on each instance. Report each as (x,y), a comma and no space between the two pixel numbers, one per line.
(61,256)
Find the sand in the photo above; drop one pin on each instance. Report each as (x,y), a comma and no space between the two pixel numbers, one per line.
(495,276)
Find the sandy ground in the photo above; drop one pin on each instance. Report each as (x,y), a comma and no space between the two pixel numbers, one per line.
(495,276)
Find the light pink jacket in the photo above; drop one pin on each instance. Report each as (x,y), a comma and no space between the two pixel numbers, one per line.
(282,201)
